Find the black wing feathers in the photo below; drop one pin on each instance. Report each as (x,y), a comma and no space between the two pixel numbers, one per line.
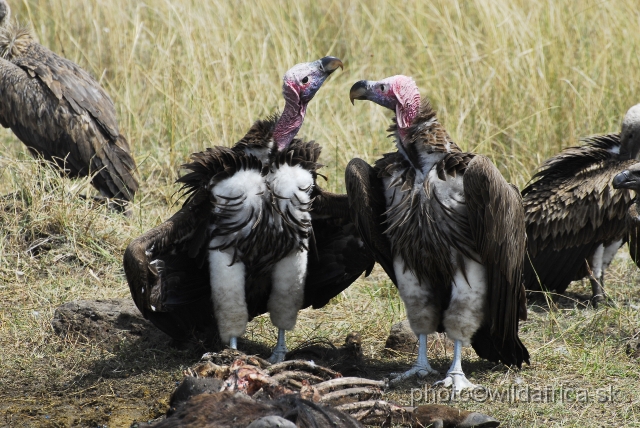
(571,208)
(339,256)
(498,228)
(367,205)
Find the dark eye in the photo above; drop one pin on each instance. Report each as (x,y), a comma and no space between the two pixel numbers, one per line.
(305,80)
(381,88)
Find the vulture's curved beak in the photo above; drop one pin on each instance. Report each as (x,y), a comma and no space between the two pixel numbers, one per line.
(330,64)
(626,180)
(359,91)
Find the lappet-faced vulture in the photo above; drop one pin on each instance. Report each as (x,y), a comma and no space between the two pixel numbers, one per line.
(256,235)
(454,233)
(61,113)
(575,217)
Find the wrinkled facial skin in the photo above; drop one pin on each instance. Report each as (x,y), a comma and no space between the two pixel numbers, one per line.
(629,179)
(306,79)
(380,92)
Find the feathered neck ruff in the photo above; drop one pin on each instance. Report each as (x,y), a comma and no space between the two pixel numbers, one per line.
(14,40)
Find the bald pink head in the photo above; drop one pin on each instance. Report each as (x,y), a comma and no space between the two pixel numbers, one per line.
(398,93)
(299,86)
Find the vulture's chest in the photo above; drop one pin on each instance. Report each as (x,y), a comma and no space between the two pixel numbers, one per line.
(262,217)
(427,220)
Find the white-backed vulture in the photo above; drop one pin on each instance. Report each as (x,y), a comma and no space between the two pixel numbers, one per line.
(630,179)
(256,234)
(61,113)
(575,217)
(454,232)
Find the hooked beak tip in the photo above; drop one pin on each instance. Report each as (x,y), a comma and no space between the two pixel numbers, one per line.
(331,64)
(358,91)
(622,180)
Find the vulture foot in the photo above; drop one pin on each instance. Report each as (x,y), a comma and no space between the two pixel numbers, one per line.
(420,370)
(280,351)
(599,296)
(277,356)
(458,381)
(602,299)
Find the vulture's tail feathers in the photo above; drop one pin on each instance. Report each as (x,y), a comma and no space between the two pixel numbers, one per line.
(116,176)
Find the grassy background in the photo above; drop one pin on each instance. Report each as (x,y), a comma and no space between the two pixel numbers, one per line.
(515,80)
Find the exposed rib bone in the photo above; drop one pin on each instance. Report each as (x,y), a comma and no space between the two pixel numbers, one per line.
(297,375)
(350,395)
(305,366)
(347,382)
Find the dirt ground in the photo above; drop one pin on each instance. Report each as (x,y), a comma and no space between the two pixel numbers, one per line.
(85,383)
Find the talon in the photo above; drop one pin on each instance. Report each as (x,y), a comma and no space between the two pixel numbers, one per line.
(277,356)
(458,381)
(421,371)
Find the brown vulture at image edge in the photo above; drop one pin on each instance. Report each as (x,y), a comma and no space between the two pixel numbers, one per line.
(447,227)
(575,216)
(61,113)
(244,210)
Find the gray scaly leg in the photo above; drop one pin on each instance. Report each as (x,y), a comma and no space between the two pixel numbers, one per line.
(421,368)
(280,351)
(455,375)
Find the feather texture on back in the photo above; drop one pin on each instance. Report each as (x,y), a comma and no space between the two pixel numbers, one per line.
(62,114)
(571,208)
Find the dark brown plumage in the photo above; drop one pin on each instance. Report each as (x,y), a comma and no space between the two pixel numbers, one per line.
(575,218)
(633,228)
(493,233)
(450,226)
(61,113)
(167,270)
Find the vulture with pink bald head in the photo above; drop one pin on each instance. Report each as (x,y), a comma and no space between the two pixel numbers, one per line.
(256,234)
(447,227)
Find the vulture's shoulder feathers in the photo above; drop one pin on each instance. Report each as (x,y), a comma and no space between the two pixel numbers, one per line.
(302,153)
(259,136)
(213,165)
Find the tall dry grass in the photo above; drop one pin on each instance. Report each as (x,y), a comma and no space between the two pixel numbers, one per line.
(515,80)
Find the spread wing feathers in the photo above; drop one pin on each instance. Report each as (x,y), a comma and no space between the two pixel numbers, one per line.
(168,280)
(633,226)
(367,207)
(339,256)
(570,208)
(496,219)
(63,115)
(570,200)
